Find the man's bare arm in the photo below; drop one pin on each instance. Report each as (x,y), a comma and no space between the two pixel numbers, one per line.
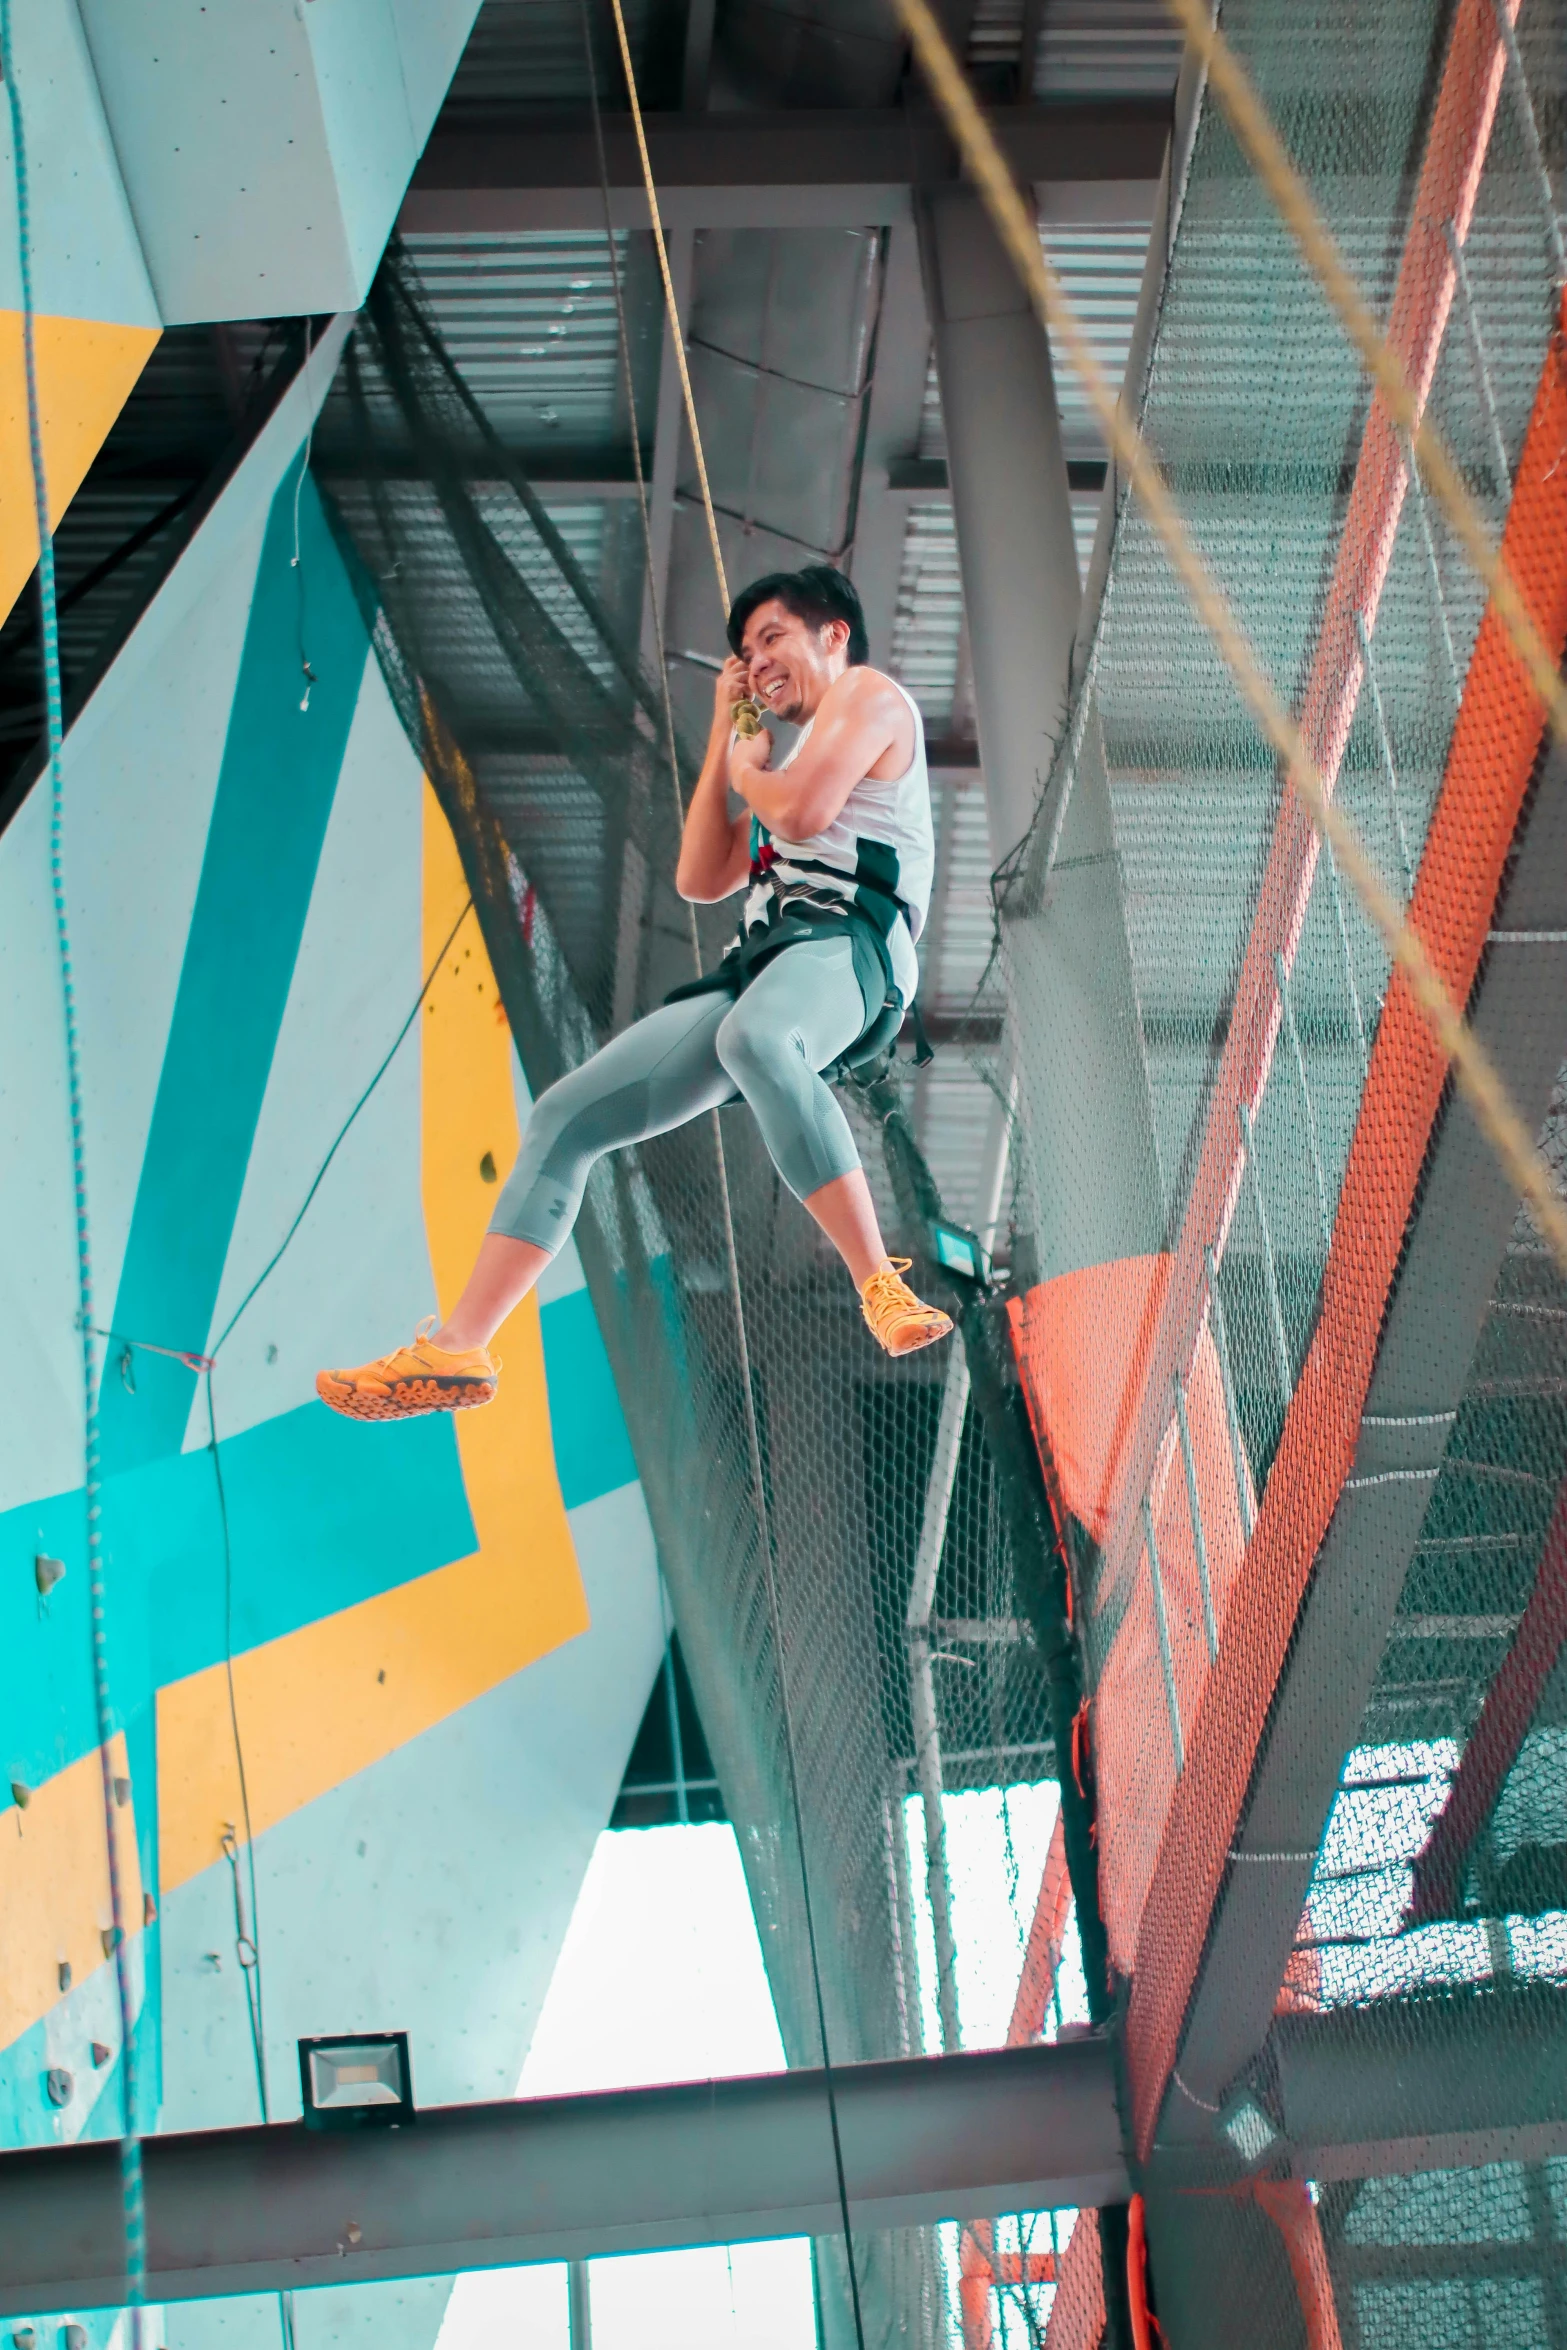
(862,717)
(715,853)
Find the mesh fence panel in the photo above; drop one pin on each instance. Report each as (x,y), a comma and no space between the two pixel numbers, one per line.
(1293,1354)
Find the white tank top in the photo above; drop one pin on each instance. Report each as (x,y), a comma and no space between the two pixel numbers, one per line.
(881,838)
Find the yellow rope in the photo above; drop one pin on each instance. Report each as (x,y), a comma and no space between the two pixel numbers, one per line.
(1477,1075)
(1254,128)
(673,309)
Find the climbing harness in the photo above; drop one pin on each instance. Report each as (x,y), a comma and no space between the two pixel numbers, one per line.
(748,719)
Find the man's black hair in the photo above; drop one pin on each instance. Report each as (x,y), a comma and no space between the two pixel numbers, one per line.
(815,595)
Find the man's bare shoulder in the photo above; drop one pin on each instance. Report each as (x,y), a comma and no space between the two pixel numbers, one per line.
(866,692)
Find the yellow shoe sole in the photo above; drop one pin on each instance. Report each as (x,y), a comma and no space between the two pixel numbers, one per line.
(410,1399)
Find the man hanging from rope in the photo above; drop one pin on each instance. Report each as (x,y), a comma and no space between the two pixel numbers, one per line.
(835,851)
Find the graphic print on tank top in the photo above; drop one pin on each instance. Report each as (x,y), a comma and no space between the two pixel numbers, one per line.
(878,853)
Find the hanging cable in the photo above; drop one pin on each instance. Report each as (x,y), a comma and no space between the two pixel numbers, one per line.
(271,1266)
(132,2197)
(731,1252)
(671,305)
(247,1926)
(297,566)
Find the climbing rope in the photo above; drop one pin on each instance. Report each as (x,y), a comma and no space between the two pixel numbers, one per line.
(731,1251)
(132,2196)
(1476,1073)
(671,306)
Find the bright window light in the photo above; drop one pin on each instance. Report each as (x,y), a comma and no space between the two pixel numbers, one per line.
(660,1978)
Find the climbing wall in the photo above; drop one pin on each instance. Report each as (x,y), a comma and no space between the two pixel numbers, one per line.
(374,1687)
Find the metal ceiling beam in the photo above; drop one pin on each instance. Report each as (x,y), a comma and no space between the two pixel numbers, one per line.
(787,168)
(1018,559)
(482,2186)
(1439,2082)
(1460,1233)
(1016,551)
(1444,2083)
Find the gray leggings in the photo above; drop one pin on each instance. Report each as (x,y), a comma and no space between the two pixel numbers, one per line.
(802,1010)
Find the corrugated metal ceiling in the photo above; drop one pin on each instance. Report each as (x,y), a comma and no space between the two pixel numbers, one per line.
(529,321)
(1105,49)
(530,53)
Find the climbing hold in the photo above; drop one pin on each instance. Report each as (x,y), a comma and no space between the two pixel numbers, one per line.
(24,2338)
(149,1910)
(487,1168)
(21,1794)
(73,2337)
(65,1974)
(58,2085)
(101,2054)
(110,1938)
(354,2232)
(122,1792)
(47,1572)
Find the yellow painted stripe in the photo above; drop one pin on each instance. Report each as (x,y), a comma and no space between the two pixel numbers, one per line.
(54,1887)
(336,1696)
(85,371)
(469,1117)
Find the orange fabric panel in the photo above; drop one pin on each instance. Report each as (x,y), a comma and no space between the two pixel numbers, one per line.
(976,2256)
(1496,742)
(1144,2324)
(1077,2316)
(1104,1318)
(1042,1958)
(1101,1321)
(1288,2204)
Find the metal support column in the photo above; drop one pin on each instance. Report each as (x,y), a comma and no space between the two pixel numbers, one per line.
(1069,966)
(1010,502)
(579,2305)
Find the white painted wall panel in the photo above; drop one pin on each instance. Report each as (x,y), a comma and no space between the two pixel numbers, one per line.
(359,1265)
(430,1893)
(86,256)
(218,124)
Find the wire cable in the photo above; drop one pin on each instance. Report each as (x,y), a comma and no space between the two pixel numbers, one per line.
(671,305)
(247,1929)
(132,2194)
(1476,1074)
(731,1252)
(341,1136)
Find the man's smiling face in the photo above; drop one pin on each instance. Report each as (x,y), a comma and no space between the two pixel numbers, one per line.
(792,663)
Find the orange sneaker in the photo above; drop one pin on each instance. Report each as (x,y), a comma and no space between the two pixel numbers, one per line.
(412,1379)
(899,1320)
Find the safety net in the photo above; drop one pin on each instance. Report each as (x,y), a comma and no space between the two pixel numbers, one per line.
(1294,1351)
